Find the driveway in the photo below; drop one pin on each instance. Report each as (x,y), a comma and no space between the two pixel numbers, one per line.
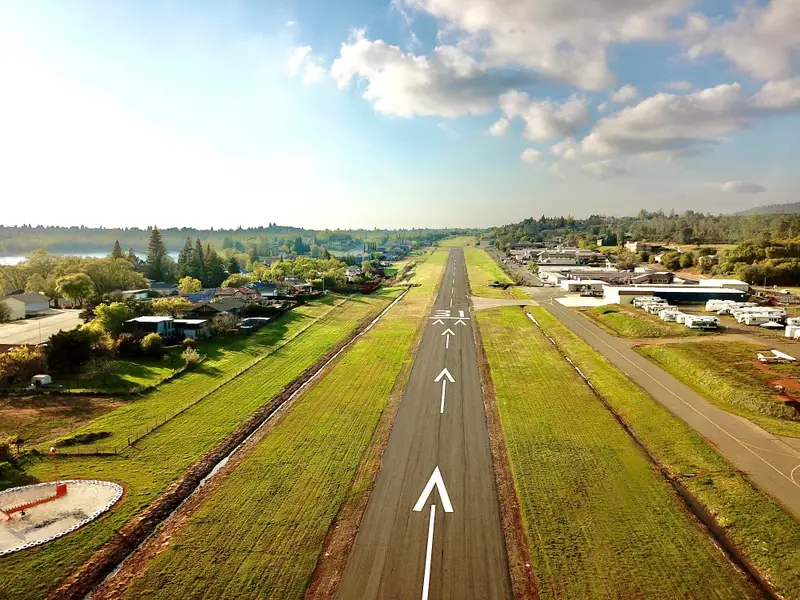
(38,329)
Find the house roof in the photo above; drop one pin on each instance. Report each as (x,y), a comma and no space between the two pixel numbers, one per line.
(150,319)
(190,321)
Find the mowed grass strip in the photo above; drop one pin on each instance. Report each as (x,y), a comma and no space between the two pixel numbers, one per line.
(225,360)
(630,322)
(600,520)
(482,271)
(730,376)
(260,533)
(768,536)
(164,455)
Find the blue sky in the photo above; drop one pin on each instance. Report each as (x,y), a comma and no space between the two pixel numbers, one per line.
(393,114)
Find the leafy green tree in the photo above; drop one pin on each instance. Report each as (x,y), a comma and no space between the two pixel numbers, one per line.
(76,287)
(112,316)
(671,261)
(153,345)
(687,260)
(189,285)
(252,253)
(116,251)
(109,274)
(173,306)
(5,313)
(236,280)
(215,269)
(67,350)
(156,256)
(233,266)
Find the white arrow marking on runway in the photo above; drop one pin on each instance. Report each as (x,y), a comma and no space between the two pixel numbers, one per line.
(438,322)
(444,373)
(436,479)
(461,322)
(448,332)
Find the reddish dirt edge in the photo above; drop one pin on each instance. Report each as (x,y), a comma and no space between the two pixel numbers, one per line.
(332,559)
(89,575)
(520,564)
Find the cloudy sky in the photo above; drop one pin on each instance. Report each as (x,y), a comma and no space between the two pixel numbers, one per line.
(405,113)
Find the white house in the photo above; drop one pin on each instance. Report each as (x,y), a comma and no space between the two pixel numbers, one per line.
(34,303)
(16,307)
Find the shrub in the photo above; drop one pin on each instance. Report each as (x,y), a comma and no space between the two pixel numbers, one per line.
(191,357)
(223,324)
(189,343)
(5,313)
(69,349)
(129,346)
(20,364)
(152,345)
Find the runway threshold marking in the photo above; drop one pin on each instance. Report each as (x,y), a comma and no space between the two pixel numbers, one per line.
(437,481)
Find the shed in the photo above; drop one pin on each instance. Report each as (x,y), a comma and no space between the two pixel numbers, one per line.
(41,380)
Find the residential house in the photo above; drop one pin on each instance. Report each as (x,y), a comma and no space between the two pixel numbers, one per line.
(352,272)
(34,302)
(209,310)
(206,295)
(163,326)
(296,283)
(240,293)
(265,290)
(164,289)
(643,247)
(16,307)
(137,294)
(192,328)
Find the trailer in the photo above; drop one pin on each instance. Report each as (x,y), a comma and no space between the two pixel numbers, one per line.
(701,322)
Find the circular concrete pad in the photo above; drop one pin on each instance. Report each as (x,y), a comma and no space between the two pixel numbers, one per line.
(85,500)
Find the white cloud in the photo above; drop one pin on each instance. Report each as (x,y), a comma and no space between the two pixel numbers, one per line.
(670,125)
(679,86)
(566,149)
(449,83)
(626,93)
(603,107)
(741,187)
(778,95)
(448,130)
(530,156)
(762,40)
(302,61)
(499,127)
(544,119)
(602,169)
(563,39)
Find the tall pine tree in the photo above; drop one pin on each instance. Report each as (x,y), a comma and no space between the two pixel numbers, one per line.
(156,256)
(116,251)
(184,265)
(199,262)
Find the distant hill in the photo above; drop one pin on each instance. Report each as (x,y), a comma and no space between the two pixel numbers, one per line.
(773,209)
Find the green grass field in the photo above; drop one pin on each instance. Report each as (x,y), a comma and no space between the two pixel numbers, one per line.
(601,522)
(260,533)
(460,240)
(767,535)
(630,322)
(482,271)
(729,375)
(127,376)
(164,455)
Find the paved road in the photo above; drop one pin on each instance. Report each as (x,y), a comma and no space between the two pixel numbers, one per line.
(38,329)
(769,461)
(463,551)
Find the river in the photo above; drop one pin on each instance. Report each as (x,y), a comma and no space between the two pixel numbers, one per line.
(13,260)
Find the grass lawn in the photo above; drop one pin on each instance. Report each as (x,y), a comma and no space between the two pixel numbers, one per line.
(601,522)
(460,240)
(482,271)
(225,359)
(730,376)
(161,457)
(128,375)
(259,534)
(766,534)
(630,322)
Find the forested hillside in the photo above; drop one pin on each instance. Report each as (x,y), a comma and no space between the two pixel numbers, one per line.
(772,209)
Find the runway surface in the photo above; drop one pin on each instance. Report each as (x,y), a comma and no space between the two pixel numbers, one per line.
(431,529)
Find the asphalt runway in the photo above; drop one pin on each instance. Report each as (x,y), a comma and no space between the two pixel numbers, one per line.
(431,529)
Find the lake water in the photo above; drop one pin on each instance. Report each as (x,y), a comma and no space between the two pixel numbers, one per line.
(13,260)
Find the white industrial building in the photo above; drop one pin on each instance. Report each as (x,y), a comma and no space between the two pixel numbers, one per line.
(671,293)
(582,285)
(734,284)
